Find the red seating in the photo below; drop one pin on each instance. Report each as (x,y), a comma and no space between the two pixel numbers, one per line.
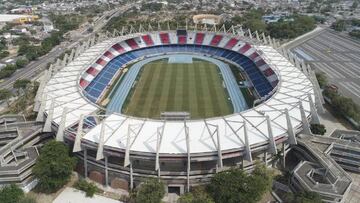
(182,39)
(244,48)
(83,83)
(260,63)
(118,48)
(231,43)
(109,55)
(92,71)
(268,72)
(101,62)
(164,37)
(132,43)
(199,38)
(147,39)
(216,40)
(274,83)
(253,55)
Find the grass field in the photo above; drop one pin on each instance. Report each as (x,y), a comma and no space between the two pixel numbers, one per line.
(196,88)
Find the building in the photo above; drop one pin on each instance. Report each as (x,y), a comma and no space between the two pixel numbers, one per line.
(118,148)
(17,19)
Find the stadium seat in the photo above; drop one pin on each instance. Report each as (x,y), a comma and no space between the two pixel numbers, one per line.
(199,37)
(231,43)
(147,39)
(132,43)
(164,37)
(215,40)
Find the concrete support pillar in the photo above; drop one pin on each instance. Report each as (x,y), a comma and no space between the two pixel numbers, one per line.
(40,115)
(257,35)
(49,118)
(270,41)
(220,162)
(264,38)
(131,176)
(40,91)
(272,144)
(318,102)
(61,128)
(250,34)
(85,163)
(290,129)
(77,143)
(265,158)
(248,155)
(72,54)
(100,150)
(314,115)
(304,120)
(106,171)
(284,155)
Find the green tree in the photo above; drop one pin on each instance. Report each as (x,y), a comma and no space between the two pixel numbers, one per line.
(236,186)
(89,188)
(21,84)
(21,63)
(307,197)
(322,80)
(4,54)
(151,191)
(11,194)
(198,195)
(5,95)
(53,167)
(318,129)
(339,25)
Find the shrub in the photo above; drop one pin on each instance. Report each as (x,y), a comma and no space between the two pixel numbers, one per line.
(151,191)
(11,194)
(89,188)
(318,129)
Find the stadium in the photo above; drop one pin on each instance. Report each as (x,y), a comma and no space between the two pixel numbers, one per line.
(180,105)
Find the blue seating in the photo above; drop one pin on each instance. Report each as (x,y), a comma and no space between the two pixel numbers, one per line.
(100,82)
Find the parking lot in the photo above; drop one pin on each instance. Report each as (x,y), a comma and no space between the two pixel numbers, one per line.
(335,55)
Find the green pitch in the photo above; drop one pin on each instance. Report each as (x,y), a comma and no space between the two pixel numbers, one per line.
(196,88)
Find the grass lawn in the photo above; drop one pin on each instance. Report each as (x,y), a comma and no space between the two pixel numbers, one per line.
(196,88)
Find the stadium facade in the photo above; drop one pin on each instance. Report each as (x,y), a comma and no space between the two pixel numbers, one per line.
(119,148)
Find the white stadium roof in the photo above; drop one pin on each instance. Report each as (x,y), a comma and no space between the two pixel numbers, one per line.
(142,134)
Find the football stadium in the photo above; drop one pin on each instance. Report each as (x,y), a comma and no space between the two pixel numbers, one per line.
(181,105)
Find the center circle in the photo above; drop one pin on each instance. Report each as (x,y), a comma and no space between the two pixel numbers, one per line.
(199,85)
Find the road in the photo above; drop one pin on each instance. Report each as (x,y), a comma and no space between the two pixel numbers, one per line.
(334,54)
(36,67)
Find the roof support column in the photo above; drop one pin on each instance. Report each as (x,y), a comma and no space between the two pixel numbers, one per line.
(188,157)
(79,133)
(304,120)
(272,144)
(314,115)
(220,162)
(85,163)
(40,115)
(264,38)
(250,34)
(257,36)
(100,150)
(106,167)
(131,176)
(47,125)
(248,155)
(290,130)
(61,128)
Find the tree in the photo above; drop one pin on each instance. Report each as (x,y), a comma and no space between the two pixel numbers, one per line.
(318,129)
(236,186)
(322,80)
(339,25)
(306,197)
(21,63)
(89,188)
(198,195)
(21,84)
(53,167)
(151,191)
(5,95)
(11,194)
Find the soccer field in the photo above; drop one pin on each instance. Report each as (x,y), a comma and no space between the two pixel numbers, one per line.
(193,87)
